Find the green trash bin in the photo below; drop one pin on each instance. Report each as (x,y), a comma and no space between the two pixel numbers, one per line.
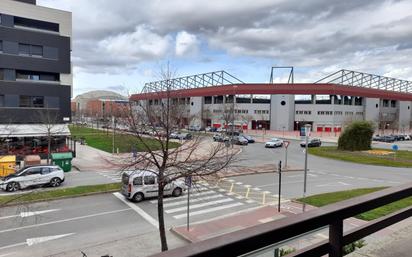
(63,160)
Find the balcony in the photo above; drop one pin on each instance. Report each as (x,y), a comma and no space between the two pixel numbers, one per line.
(254,240)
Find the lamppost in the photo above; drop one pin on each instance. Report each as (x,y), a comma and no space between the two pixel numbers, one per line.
(283,131)
(307,131)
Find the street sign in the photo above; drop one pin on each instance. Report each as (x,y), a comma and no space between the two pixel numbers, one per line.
(395,147)
(286,143)
(188,181)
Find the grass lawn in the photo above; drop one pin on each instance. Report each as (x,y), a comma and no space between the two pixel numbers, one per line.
(403,158)
(329,198)
(58,193)
(101,140)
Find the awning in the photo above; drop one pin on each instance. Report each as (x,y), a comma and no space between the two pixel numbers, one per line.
(33,130)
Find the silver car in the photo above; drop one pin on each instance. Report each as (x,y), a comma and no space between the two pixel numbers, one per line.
(140,184)
(33,176)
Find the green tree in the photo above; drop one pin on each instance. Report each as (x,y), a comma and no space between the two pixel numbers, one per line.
(356,137)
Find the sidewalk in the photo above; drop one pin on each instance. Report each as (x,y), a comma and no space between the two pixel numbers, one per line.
(260,215)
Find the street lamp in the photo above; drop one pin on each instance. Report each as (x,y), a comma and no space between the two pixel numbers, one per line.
(307,131)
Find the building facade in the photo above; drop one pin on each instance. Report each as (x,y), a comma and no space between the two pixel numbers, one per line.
(35,63)
(328,107)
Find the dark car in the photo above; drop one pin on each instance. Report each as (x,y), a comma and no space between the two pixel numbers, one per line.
(314,142)
(377,138)
(239,140)
(249,138)
(388,139)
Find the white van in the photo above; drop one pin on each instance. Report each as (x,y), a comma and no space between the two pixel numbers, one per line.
(140,184)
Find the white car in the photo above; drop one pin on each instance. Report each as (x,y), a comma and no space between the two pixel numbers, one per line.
(140,184)
(33,176)
(274,142)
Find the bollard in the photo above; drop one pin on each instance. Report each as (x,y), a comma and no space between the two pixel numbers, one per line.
(264,198)
(231,188)
(247,192)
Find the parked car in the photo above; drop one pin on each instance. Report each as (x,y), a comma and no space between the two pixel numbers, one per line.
(185,136)
(377,138)
(220,138)
(33,176)
(388,139)
(195,128)
(249,138)
(140,184)
(274,142)
(314,142)
(240,140)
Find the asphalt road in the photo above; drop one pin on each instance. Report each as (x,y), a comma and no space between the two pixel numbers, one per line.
(324,175)
(66,227)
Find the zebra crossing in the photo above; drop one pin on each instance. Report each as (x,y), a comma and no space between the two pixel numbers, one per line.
(205,201)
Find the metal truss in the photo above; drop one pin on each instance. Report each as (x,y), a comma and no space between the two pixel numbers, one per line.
(291,73)
(216,78)
(360,79)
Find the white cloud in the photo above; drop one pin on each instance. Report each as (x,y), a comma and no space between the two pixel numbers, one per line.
(186,44)
(141,44)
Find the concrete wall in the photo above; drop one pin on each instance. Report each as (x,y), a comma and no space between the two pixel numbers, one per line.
(404,115)
(372,110)
(196,108)
(282,112)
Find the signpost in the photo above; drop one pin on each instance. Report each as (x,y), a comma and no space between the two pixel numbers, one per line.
(286,144)
(395,148)
(280,184)
(188,182)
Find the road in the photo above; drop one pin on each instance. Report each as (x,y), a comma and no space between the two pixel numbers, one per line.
(66,227)
(325,175)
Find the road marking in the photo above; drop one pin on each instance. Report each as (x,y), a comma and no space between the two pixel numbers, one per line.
(33,241)
(28,214)
(238,183)
(340,183)
(7,254)
(200,205)
(64,220)
(257,189)
(137,209)
(192,200)
(171,199)
(39,240)
(207,210)
(227,215)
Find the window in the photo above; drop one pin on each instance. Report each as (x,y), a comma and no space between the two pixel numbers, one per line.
(31,50)
(1,100)
(31,101)
(36,76)
(33,171)
(1,74)
(393,103)
(36,24)
(1,46)
(137,181)
(385,103)
(149,180)
(24,49)
(45,171)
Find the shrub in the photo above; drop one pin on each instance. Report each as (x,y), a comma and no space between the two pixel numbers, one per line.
(347,249)
(356,137)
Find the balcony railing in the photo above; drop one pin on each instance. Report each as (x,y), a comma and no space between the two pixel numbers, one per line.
(246,241)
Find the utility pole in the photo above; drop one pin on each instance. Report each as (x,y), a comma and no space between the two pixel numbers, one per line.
(307,130)
(113,128)
(280,184)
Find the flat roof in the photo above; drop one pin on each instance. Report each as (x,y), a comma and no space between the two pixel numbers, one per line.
(33,130)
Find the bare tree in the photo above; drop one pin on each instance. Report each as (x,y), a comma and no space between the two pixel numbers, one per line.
(195,158)
(50,126)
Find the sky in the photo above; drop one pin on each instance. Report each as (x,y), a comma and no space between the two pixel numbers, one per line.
(120,45)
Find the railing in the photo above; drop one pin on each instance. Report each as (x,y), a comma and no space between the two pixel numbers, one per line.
(251,239)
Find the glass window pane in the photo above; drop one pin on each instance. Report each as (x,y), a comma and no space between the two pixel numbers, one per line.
(25,101)
(36,50)
(137,181)
(1,100)
(24,49)
(38,101)
(149,180)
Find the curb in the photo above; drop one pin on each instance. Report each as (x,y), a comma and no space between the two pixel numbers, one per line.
(173,231)
(58,198)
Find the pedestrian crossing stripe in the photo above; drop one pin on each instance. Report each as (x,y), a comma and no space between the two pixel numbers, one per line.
(200,205)
(192,200)
(170,199)
(218,208)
